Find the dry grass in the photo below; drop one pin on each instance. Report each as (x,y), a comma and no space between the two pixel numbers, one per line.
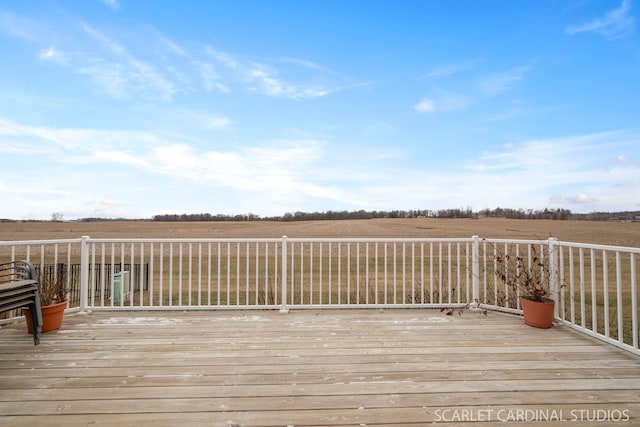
(607,233)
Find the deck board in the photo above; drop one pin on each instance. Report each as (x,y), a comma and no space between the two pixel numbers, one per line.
(315,368)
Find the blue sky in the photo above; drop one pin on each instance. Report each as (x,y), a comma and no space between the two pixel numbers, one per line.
(131,108)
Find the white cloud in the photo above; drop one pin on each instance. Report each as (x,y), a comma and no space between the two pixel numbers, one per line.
(150,66)
(301,174)
(583,198)
(624,160)
(47,53)
(124,73)
(497,83)
(578,199)
(20,27)
(486,86)
(172,46)
(113,4)
(110,65)
(443,101)
(273,167)
(265,79)
(444,71)
(111,45)
(222,57)
(210,78)
(120,157)
(74,140)
(449,101)
(303,62)
(615,23)
(425,106)
(573,172)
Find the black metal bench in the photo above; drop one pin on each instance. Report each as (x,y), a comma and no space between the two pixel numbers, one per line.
(19,288)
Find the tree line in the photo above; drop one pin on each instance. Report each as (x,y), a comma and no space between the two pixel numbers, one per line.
(555,214)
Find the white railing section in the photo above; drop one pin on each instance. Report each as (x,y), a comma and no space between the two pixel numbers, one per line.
(376,272)
(599,295)
(594,286)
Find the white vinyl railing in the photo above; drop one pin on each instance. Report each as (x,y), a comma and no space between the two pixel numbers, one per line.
(600,293)
(594,286)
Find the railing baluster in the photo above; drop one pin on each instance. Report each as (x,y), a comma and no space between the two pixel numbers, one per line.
(292,273)
(605,285)
(421,272)
(431,272)
(131,274)
(301,273)
(339,262)
(209,259)
(594,295)
(141,275)
(257,270)
(311,273)
(171,274)
(161,278)
(200,277)
(330,273)
(266,277)
(102,274)
(180,266)
(620,308)
(458,276)
(219,273)
(582,288)
(572,300)
(151,275)
(634,301)
(357,273)
(238,273)
(228,274)
(449,275)
(92,271)
(563,314)
(366,273)
(376,275)
(348,272)
(283,308)
(282,265)
(395,273)
(320,271)
(385,274)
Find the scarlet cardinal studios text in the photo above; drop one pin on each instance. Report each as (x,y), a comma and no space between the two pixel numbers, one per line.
(528,415)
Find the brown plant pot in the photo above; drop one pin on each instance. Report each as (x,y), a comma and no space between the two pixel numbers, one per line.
(51,316)
(538,314)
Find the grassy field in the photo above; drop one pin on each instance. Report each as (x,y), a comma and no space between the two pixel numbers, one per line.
(608,233)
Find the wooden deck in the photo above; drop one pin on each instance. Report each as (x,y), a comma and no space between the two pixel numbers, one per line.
(313,368)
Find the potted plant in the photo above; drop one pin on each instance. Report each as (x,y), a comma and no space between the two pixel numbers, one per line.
(529,278)
(53,288)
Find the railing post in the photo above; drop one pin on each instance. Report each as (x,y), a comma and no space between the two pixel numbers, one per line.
(283,293)
(84,275)
(553,270)
(475,269)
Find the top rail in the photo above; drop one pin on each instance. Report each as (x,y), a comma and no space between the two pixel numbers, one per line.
(600,247)
(38,242)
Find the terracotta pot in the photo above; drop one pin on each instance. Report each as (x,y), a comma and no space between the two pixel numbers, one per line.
(538,314)
(51,316)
